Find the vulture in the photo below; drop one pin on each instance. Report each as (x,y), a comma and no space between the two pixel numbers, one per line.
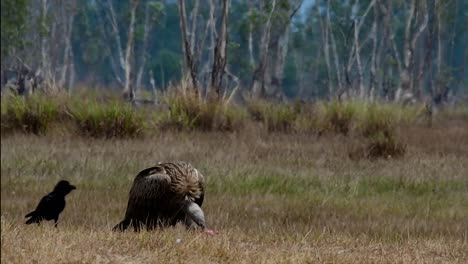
(164,195)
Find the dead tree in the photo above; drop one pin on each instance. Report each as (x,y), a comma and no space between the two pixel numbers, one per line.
(281,41)
(122,65)
(326,47)
(128,92)
(25,80)
(142,61)
(189,63)
(258,80)
(373,66)
(355,51)
(334,49)
(409,45)
(219,62)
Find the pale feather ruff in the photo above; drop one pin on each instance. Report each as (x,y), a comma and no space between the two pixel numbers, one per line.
(180,179)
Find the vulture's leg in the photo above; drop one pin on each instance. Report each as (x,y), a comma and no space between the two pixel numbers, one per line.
(193,213)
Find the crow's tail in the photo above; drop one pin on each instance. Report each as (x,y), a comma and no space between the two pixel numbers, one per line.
(30,214)
(33,219)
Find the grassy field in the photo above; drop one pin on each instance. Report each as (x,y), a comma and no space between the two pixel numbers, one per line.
(273,197)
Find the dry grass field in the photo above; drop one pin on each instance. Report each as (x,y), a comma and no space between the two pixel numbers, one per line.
(273,198)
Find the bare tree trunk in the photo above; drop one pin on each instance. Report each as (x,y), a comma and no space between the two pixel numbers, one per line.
(186,50)
(278,68)
(409,44)
(142,62)
(282,45)
(326,49)
(45,59)
(71,78)
(153,85)
(300,69)
(383,50)
(334,50)
(358,61)
(206,72)
(380,58)
(373,67)
(117,68)
(440,50)
(68,53)
(407,54)
(258,83)
(219,62)
(128,91)
(387,11)
(250,38)
(419,70)
(355,50)
(70,63)
(336,61)
(194,16)
(426,69)
(163,77)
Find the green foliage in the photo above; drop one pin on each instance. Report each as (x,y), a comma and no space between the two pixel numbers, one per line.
(157,10)
(188,112)
(378,120)
(107,120)
(338,116)
(103,115)
(166,66)
(13,18)
(31,115)
(275,117)
(378,127)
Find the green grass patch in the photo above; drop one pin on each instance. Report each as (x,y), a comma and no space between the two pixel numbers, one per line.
(338,117)
(188,112)
(376,127)
(280,117)
(32,114)
(112,119)
(104,115)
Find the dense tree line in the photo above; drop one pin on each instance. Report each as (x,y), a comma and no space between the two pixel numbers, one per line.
(267,48)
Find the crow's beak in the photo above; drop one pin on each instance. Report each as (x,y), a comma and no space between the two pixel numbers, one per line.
(72,187)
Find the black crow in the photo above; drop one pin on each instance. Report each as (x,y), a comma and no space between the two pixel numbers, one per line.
(51,205)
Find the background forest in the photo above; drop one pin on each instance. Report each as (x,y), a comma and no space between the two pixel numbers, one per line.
(390,49)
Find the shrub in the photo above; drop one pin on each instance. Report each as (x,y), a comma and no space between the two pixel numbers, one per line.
(187,112)
(380,126)
(33,114)
(377,127)
(378,120)
(382,146)
(338,117)
(377,147)
(276,117)
(108,120)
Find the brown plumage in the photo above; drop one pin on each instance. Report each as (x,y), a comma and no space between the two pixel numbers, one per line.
(164,195)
